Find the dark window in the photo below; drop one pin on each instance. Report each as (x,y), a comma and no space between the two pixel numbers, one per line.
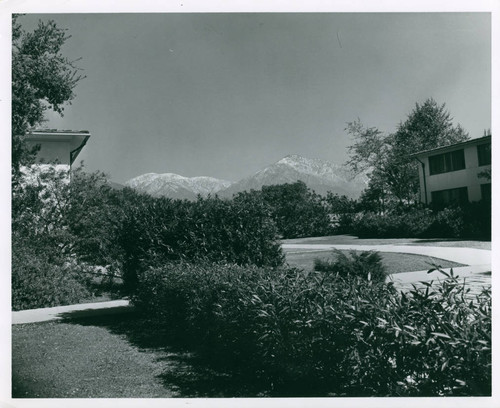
(452,196)
(446,162)
(486,192)
(484,154)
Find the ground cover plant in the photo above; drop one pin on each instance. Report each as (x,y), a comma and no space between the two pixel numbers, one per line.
(317,333)
(365,265)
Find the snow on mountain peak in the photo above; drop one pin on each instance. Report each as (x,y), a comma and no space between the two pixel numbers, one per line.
(319,175)
(177,186)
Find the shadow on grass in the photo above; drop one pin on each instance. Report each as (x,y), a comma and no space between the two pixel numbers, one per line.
(190,374)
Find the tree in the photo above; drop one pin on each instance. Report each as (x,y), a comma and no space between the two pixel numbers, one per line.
(393,171)
(42,79)
(369,148)
(428,126)
(296,210)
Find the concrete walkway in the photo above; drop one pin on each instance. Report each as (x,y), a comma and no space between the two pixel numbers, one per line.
(61,312)
(478,261)
(466,256)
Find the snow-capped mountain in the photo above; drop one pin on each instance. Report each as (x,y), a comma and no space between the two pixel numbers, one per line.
(319,175)
(176,186)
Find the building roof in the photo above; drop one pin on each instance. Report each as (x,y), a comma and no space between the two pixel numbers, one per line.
(56,132)
(79,138)
(443,149)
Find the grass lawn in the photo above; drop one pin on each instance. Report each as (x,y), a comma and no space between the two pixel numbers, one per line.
(118,356)
(394,262)
(57,360)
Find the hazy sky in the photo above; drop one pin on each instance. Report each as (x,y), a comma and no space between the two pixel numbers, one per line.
(224,95)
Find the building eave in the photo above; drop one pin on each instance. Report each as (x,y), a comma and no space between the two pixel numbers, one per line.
(443,149)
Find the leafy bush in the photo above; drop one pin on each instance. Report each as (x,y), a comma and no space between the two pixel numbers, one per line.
(310,333)
(157,230)
(447,223)
(297,211)
(366,265)
(442,339)
(410,223)
(472,220)
(60,223)
(39,280)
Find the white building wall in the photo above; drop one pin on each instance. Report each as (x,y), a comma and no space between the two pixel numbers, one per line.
(467,177)
(51,151)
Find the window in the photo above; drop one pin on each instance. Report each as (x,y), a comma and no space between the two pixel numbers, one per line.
(484,154)
(486,192)
(446,162)
(452,196)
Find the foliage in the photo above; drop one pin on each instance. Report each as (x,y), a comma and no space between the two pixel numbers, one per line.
(449,222)
(442,339)
(342,211)
(77,212)
(471,220)
(42,78)
(317,334)
(156,230)
(486,174)
(78,217)
(413,222)
(366,265)
(296,210)
(394,172)
(41,280)
(62,222)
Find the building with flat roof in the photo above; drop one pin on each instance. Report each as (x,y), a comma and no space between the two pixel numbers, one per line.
(456,173)
(61,146)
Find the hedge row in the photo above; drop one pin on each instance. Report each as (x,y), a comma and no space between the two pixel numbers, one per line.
(317,334)
(56,223)
(158,230)
(472,221)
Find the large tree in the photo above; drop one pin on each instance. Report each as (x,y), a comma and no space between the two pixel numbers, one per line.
(393,171)
(42,79)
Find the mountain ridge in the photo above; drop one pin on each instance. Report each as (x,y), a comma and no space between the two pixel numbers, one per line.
(319,175)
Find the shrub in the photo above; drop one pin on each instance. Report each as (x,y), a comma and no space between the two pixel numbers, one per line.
(310,333)
(410,223)
(60,223)
(472,220)
(447,223)
(366,265)
(441,338)
(158,230)
(39,280)
(297,211)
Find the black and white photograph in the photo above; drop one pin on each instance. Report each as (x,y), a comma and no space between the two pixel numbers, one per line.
(286,206)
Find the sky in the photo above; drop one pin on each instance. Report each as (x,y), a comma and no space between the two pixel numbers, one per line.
(226,94)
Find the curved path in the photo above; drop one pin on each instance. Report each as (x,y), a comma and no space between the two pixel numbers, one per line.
(478,261)
(466,256)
